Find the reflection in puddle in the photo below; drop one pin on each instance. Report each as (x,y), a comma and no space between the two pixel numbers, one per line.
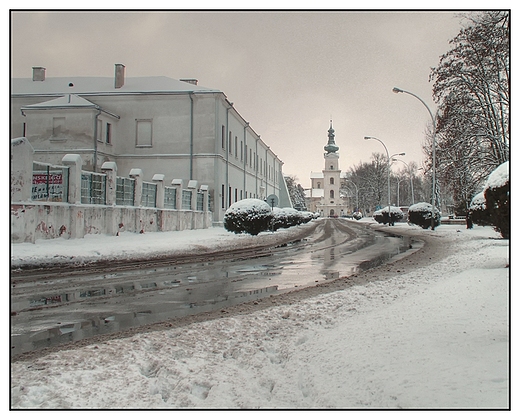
(120,304)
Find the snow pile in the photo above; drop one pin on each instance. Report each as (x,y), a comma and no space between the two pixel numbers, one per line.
(250,206)
(499,177)
(130,245)
(431,336)
(478,202)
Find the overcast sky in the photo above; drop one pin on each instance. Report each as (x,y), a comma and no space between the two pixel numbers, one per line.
(287,73)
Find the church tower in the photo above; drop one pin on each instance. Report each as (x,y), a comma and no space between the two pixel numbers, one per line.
(332,204)
(324,195)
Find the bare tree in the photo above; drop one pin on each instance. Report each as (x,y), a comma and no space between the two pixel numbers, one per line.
(471,88)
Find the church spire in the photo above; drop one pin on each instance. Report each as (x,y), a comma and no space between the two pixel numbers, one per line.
(331,145)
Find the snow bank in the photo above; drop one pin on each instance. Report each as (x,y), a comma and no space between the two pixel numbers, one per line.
(499,177)
(431,337)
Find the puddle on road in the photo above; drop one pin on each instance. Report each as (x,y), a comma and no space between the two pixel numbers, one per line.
(44,321)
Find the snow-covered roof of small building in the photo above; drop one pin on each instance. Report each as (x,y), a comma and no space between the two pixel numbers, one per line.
(314,192)
(97,85)
(66,102)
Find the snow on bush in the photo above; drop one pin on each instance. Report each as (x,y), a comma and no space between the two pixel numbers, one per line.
(248,216)
(420,214)
(381,216)
(357,215)
(496,192)
(279,218)
(478,212)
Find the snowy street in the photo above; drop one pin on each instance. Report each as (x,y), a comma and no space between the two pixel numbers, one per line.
(411,334)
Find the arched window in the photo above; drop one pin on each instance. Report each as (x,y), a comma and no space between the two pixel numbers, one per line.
(318,185)
(331,166)
(331,193)
(331,181)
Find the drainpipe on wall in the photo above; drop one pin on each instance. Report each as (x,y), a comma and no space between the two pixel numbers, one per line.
(95,140)
(191,135)
(256,172)
(245,136)
(227,155)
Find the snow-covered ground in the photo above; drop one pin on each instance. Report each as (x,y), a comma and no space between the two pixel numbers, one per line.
(433,337)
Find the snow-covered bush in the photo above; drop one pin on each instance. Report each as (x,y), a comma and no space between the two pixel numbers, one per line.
(293,216)
(250,216)
(381,216)
(496,192)
(357,215)
(279,218)
(420,214)
(478,212)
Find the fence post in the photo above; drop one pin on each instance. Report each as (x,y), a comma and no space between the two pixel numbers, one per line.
(205,205)
(110,169)
(75,163)
(159,198)
(137,174)
(192,185)
(177,184)
(21,169)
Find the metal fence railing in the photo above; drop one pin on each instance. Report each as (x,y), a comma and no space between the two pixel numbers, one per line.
(200,201)
(186,199)
(93,188)
(125,191)
(149,196)
(170,198)
(50,182)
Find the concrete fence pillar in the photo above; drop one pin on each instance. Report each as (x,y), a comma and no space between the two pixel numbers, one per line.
(75,164)
(110,170)
(137,174)
(205,191)
(159,198)
(177,184)
(21,169)
(192,186)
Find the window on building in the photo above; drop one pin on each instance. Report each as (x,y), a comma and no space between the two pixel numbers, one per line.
(241,151)
(223,134)
(223,194)
(331,181)
(331,166)
(58,127)
(108,134)
(318,185)
(230,148)
(236,146)
(143,133)
(331,193)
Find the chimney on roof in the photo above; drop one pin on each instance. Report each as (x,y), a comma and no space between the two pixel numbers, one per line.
(120,76)
(38,74)
(191,81)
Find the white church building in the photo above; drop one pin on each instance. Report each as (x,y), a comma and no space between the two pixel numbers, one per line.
(324,196)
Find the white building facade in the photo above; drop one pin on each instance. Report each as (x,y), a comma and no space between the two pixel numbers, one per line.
(158,124)
(324,196)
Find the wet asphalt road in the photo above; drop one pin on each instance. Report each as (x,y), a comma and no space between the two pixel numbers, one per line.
(48,310)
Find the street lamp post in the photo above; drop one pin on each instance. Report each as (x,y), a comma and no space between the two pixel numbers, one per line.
(388,167)
(411,177)
(397,90)
(357,192)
